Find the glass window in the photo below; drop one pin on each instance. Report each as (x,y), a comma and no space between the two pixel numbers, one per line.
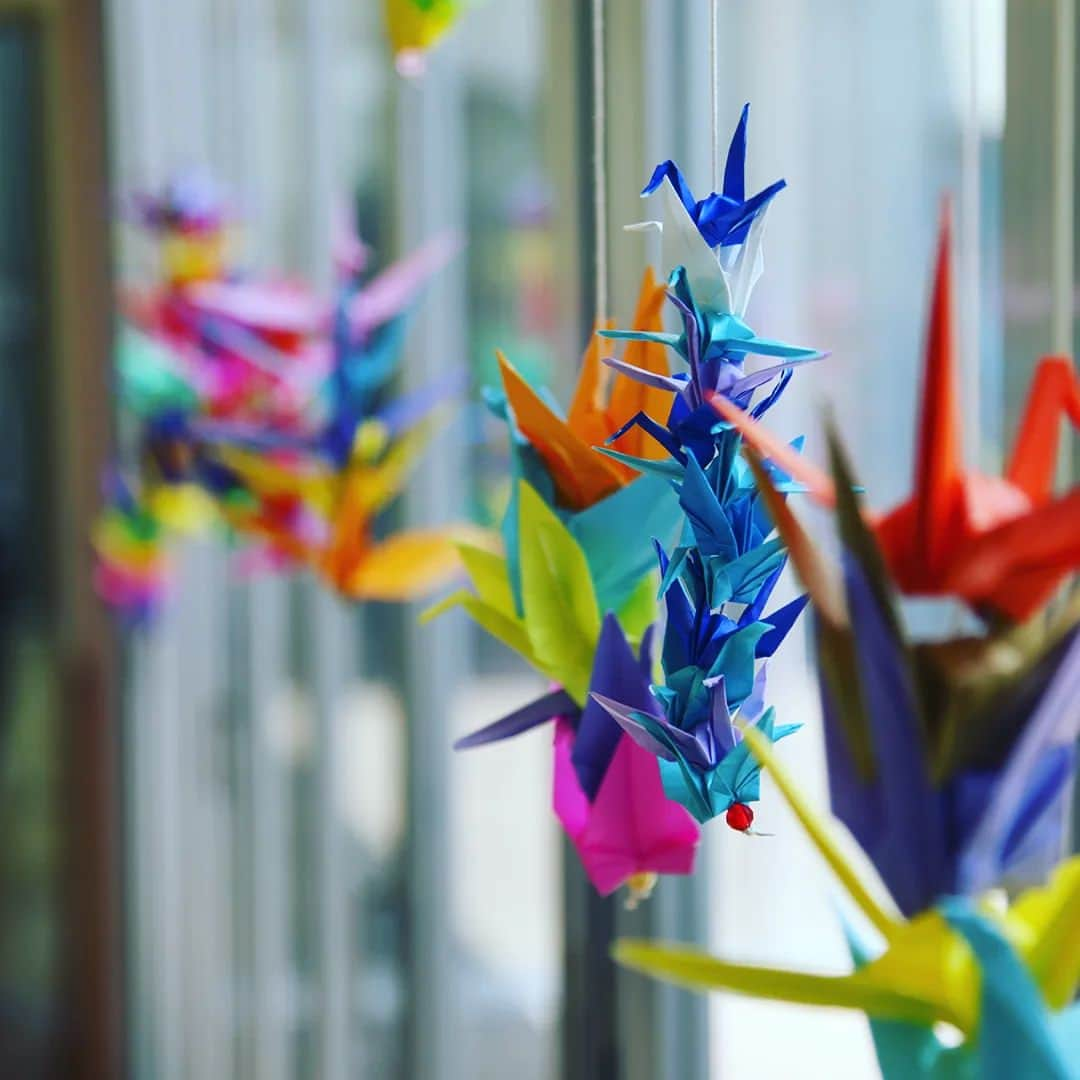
(318,886)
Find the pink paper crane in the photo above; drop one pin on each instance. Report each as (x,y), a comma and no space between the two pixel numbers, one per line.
(631,831)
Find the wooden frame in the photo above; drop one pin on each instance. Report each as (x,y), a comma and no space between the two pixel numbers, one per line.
(77,215)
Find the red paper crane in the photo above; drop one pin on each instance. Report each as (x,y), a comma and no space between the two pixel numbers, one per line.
(1002,544)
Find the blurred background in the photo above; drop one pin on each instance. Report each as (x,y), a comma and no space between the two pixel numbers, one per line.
(238,845)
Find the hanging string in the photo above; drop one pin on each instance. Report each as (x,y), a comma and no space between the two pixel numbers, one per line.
(1063,266)
(600,159)
(1061,275)
(971,241)
(714,82)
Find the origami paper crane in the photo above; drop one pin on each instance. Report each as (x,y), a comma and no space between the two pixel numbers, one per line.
(629,832)
(190,216)
(1003,545)
(323,517)
(701,649)
(132,569)
(269,353)
(717,239)
(560,632)
(598,411)
(714,344)
(723,220)
(264,398)
(415,27)
(607,791)
(368,339)
(610,509)
(1005,981)
(725,554)
(951,762)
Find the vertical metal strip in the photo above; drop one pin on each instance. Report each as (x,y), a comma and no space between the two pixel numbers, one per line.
(152,976)
(1064,132)
(260,641)
(599,160)
(590,1020)
(208,807)
(329,623)
(330,626)
(1063,238)
(430,191)
(269,834)
(971,243)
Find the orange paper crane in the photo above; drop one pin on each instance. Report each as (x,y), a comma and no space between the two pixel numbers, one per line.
(1002,544)
(407,565)
(600,407)
(343,550)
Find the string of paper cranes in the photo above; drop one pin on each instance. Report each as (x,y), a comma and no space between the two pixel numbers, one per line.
(260,405)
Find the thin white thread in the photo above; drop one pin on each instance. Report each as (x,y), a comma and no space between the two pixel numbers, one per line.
(1063,268)
(971,244)
(714,83)
(1062,214)
(600,159)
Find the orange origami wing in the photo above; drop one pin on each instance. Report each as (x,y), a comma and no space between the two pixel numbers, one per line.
(582,476)
(587,417)
(780,453)
(1016,567)
(629,397)
(349,538)
(937,496)
(1055,391)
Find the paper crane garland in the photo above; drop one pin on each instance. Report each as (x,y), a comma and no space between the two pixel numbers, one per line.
(720,577)
(257,404)
(1004,981)
(668,469)
(560,631)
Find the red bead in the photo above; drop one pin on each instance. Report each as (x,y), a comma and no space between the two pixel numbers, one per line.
(740,817)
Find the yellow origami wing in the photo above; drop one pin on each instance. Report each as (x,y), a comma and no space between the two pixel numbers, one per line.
(492,605)
(315,485)
(369,488)
(561,624)
(1044,927)
(927,972)
(862,990)
(562,616)
(404,567)
(184,508)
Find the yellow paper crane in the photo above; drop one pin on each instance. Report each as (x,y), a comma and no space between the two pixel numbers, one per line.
(345,553)
(415,26)
(927,972)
